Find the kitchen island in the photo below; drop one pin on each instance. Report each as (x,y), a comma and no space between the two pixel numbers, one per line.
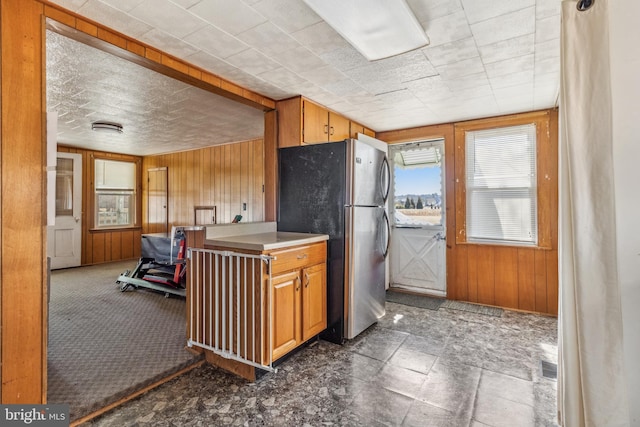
(255,294)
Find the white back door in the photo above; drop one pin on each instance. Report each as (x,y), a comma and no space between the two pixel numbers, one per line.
(418,247)
(64,239)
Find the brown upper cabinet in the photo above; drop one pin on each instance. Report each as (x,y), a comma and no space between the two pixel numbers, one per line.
(357,128)
(301,121)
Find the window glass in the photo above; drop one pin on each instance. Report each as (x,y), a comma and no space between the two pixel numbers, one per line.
(501,191)
(115,185)
(64,187)
(417,183)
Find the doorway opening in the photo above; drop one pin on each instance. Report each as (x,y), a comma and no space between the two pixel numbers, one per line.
(418,217)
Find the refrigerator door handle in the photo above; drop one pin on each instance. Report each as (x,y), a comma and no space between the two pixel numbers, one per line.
(385,179)
(386,219)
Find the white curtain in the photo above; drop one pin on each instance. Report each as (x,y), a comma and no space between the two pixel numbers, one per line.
(591,383)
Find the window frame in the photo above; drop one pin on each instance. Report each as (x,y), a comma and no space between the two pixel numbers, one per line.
(545,175)
(136,195)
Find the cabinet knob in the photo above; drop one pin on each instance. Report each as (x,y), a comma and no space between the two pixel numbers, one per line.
(303,256)
(326,129)
(332,130)
(306,280)
(297,283)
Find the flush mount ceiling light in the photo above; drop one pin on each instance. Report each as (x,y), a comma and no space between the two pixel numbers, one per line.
(378,29)
(106,127)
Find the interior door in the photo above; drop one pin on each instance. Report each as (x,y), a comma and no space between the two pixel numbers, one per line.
(64,238)
(157,198)
(418,247)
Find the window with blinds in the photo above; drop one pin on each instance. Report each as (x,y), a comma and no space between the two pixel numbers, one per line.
(501,204)
(115,183)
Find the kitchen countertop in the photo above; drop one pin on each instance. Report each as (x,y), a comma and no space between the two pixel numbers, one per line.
(266,241)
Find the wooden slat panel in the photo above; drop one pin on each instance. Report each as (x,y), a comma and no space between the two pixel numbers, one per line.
(60,16)
(552,282)
(460,290)
(540,281)
(472,272)
(506,277)
(223,176)
(107,246)
(137,243)
(486,275)
(87,27)
(129,240)
(116,246)
(98,247)
(526,279)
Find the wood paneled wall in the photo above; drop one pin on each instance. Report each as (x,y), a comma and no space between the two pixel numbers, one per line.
(521,278)
(225,176)
(23,296)
(107,245)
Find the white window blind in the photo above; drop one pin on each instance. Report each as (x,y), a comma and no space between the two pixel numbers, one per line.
(501,185)
(115,183)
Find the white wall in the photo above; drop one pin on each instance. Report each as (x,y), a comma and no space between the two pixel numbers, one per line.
(625,83)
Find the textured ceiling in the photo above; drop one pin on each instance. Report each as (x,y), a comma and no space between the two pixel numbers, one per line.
(159,114)
(486,57)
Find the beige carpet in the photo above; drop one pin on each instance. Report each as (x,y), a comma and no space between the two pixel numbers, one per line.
(105,344)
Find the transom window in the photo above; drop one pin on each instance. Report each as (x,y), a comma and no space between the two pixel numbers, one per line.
(501,185)
(115,184)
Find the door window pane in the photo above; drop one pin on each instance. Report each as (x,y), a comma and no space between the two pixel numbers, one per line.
(64,187)
(417,183)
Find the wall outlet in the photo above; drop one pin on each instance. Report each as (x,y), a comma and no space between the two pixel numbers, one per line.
(244,206)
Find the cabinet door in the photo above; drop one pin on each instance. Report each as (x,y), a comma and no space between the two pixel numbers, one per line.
(314,300)
(315,126)
(338,127)
(285,312)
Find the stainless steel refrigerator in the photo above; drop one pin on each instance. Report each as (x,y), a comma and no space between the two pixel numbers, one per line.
(340,189)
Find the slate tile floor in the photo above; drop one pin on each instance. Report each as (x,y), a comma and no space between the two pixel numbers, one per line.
(416,367)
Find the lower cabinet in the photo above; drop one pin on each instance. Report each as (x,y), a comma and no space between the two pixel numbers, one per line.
(299,308)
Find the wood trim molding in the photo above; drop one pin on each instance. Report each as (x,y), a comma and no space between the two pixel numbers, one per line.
(96,35)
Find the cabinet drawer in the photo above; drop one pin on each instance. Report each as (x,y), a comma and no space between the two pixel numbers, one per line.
(298,257)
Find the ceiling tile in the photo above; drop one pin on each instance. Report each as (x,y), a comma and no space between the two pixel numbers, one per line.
(124,5)
(232,17)
(427,11)
(467,82)
(505,49)
(182,3)
(344,58)
(513,79)
(504,27)
(510,66)
(481,10)
(117,19)
(322,75)
(300,60)
(290,15)
(320,38)
(547,29)
(216,42)
(447,28)
(253,62)
(461,69)
(70,4)
(282,77)
(168,43)
(546,8)
(452,52)
(268,39)
(166,15)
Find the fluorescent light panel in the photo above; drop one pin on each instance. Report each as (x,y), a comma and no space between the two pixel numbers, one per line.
(376,28)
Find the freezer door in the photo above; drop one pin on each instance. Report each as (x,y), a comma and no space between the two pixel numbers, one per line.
(366,242)
(367,175)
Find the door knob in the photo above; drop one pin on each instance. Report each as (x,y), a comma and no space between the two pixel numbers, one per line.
(76,218)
